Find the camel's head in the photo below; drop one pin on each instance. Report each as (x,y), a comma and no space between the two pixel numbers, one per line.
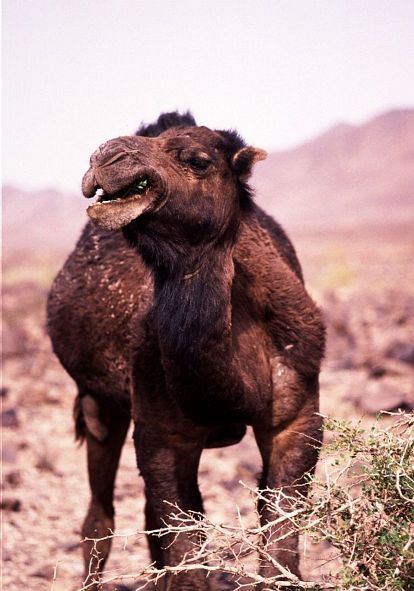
(188,183)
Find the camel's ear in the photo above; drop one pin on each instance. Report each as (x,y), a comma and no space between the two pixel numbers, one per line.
(244,160)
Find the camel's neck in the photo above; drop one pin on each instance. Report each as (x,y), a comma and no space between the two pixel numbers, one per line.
(192,316)
(193,309)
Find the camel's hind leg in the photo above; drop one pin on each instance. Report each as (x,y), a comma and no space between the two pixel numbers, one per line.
(105,429)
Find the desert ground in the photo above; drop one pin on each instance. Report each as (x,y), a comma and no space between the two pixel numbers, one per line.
(364,281)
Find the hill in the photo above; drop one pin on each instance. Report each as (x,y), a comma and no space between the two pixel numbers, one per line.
(350,175)
(40,221)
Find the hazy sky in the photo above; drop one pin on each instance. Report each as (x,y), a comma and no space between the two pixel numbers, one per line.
(78,72)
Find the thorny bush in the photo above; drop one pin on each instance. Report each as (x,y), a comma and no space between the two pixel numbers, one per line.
(363,505)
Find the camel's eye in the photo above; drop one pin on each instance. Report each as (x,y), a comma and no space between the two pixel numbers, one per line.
(199,161)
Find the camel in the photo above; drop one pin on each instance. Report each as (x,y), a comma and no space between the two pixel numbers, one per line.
(183,305)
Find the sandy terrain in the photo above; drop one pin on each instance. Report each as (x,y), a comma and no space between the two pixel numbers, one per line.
(366,287)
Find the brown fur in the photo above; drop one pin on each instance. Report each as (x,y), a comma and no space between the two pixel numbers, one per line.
(199,315)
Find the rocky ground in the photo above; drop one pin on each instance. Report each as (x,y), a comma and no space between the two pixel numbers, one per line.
(366,288)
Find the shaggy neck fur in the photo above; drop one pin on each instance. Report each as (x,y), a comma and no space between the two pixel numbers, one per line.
(192,315)
(192,312)
(192,309)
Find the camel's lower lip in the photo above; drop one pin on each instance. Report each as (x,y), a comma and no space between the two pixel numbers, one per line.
(118,212)
(103,199)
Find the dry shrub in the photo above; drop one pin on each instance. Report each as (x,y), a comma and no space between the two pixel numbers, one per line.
(363,506)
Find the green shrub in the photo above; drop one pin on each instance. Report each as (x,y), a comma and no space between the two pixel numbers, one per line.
(365,507)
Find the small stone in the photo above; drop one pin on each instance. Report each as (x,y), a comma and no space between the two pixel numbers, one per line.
(53,396)
(9,418)
(11,504)
(13,478)
(45,464)
(44,572)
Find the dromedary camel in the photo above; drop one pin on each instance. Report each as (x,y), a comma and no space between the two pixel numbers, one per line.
(184,297)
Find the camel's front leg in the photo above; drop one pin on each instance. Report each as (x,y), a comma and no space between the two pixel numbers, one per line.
(168,462)
(289,451)
(103,459)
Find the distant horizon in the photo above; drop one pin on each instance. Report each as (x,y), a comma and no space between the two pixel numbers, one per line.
(77,73)
(45,188)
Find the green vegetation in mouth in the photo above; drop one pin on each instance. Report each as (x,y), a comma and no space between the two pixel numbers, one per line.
(141,186)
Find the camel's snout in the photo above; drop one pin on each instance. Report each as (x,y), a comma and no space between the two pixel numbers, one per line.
(124,195)
(115,165)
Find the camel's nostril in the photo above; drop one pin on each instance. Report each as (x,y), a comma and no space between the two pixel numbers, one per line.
(89,184)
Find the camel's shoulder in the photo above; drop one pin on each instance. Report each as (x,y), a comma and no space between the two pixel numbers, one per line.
(264,249)
(268,237)
(269,284)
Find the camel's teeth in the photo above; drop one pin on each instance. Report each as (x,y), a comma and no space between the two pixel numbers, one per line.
(115,200)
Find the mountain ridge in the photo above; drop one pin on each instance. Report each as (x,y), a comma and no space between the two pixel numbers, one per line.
(348,176)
